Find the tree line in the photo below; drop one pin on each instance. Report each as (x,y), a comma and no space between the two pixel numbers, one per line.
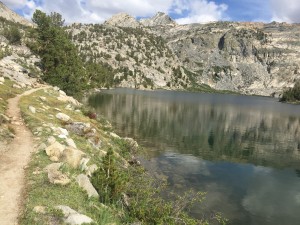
(61,63)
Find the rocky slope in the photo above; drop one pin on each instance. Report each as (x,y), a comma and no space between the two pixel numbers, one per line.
(12,16)
(141,59)
(252,58)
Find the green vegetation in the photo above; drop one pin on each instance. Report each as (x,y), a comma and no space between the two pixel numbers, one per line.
(139,195)
(40,192)
(6,92)
(291,94)
(127,192)
(60,63)
(13,35)
(5,52)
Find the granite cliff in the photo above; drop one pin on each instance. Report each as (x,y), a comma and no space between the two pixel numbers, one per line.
(251,58)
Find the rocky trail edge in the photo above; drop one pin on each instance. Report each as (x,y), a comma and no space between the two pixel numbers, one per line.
(13,163)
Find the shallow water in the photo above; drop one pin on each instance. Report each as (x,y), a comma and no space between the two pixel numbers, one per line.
(243,151)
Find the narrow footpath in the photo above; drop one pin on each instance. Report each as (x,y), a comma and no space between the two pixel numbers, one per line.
(12,164)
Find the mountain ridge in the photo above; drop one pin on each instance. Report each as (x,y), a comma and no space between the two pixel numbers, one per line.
(10,15)
(246,57)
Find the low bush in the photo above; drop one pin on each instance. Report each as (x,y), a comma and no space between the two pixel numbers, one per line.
(291,94)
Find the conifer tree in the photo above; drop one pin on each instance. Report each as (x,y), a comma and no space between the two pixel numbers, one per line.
(60,62)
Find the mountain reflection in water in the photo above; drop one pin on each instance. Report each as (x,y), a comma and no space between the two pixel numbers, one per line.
(243,151)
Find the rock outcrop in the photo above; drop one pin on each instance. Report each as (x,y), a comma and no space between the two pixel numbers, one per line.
(251,58)
(122,20)
(160,19)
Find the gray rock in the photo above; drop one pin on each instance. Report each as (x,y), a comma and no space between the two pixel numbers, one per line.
(39,209)
(160,19)
(61,132)
(54,151)
(2,79)
(62,93)
(72,217)
(42,98)
(4,119)
(32,109)
(70,142)
(114,135)
(42,147)
(55,176)
(63,117)
(72,156)
(83,164)
(51,140)
(123,20)
(16,86)
(79,128)
(84,182)
(132,143)
(91,169)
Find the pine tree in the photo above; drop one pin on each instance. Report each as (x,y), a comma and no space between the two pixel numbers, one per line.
(60,62)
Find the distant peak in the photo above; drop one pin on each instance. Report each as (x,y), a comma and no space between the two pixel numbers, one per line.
(159,19)
(122,20)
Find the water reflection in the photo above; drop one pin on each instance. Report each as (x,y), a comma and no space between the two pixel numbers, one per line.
(244,151)
(235,128)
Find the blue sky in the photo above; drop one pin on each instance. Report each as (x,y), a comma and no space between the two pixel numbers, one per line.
(183,11)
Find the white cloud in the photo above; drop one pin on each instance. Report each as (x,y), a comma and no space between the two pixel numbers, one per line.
(14,4)
(95,11)
(133,7)
(287,10)
(199,11)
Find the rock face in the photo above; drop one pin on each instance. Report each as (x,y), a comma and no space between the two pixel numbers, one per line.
(251,58)
(122,20)
(160,19)
(140,58)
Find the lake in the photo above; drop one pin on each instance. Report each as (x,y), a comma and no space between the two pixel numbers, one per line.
(244,151)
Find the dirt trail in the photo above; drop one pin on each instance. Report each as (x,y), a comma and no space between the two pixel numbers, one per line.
(12,163)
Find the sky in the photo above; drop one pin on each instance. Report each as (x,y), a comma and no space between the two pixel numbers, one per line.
(182,11)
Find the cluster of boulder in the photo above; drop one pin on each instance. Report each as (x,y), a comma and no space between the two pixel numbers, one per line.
(63,152)
(66,156)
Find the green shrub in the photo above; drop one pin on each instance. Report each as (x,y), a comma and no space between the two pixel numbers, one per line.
(291,94)
(109,180)
(13,35)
